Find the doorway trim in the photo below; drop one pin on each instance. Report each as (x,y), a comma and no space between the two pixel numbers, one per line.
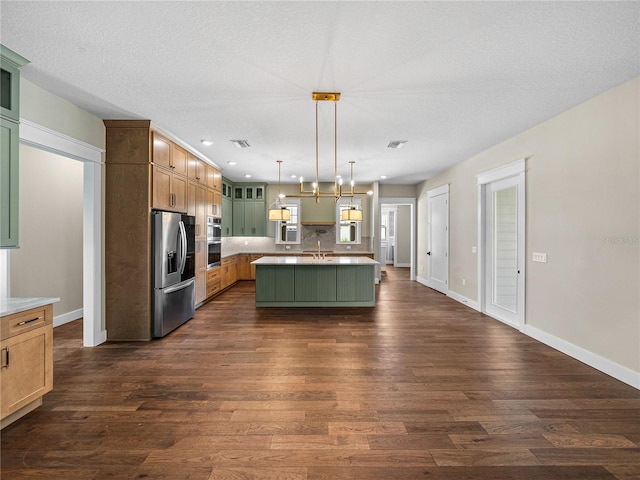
(42,138)
(510,170)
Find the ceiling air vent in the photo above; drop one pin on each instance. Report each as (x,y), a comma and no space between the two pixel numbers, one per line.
(240,143)
(396,143)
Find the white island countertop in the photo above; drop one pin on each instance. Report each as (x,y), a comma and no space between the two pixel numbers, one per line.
(11,305)
(308,260)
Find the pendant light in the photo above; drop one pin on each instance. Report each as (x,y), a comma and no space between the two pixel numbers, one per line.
(353,213)
(277,211)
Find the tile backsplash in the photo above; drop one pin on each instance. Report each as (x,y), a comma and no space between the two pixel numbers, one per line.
(310,235)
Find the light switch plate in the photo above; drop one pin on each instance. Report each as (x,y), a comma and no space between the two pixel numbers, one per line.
(539,257)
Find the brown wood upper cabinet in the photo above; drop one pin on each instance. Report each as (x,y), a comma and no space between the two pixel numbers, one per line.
(178,159)
(214,178)
(169,190)
(168,155)
(196,170)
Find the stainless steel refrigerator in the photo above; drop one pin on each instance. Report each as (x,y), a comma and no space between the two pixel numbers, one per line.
(173,251)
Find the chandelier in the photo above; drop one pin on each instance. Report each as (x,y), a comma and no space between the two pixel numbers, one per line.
(338,191)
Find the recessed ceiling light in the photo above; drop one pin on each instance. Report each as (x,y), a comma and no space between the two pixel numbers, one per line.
(232,163)
(240,143)
(247,175)
(396,143)
(383,176)
(294,176)
(206,142)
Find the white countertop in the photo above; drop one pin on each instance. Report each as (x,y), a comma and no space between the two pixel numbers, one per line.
(11,305)
(314,261)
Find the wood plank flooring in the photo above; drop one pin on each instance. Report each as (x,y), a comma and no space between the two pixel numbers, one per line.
(419,387)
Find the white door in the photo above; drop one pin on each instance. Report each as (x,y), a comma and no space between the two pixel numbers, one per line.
(439,238)
(503,249)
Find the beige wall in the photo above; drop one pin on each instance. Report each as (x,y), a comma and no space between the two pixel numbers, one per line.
(583,210)
(48,110)
(49,260)
(397,191)
(403,235)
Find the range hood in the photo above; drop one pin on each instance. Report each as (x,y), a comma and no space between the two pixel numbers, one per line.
(321,213)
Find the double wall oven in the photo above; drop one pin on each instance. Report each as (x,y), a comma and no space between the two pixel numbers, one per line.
(214,241)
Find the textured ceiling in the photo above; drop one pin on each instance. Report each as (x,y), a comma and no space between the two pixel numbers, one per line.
(452,78)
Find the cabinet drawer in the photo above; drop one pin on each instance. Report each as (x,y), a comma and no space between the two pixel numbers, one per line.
(25,321)
(229,260)
(213,274)
(213,281)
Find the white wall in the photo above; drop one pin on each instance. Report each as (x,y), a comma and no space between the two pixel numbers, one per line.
(49,260)
(583,210)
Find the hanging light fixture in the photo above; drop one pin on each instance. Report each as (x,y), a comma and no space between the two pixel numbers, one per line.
(353,213)
(337,181)
(278,211)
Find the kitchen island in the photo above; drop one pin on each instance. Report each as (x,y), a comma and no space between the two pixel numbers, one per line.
(315,282)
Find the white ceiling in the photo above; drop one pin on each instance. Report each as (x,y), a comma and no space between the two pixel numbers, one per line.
(452,78)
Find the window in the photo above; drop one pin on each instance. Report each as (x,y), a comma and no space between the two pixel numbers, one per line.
(288,232)
(347,232)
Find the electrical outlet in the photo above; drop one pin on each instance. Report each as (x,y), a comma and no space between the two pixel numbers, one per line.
(464,282)
(474,249)
(246,242)
(539,257)
(287,247)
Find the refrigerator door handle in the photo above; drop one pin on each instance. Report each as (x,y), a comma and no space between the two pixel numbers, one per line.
(179,287)
(183,246)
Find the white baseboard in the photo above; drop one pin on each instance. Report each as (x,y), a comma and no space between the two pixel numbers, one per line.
(594,360)
(67,317)
(464,300)
(401,265)
(455,296)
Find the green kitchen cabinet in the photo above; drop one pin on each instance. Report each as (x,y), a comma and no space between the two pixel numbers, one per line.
(10,63)
(275,283)
(249,210)
(353,283)
(315,283)
(227,208)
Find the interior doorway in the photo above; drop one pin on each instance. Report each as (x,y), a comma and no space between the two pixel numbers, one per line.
(502,243)
(396,237)
(37,136)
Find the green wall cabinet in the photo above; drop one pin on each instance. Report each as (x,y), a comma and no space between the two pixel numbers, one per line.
(249,210)
(10,63)
(227,208)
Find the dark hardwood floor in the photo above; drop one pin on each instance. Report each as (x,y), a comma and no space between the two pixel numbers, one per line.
(419,387)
